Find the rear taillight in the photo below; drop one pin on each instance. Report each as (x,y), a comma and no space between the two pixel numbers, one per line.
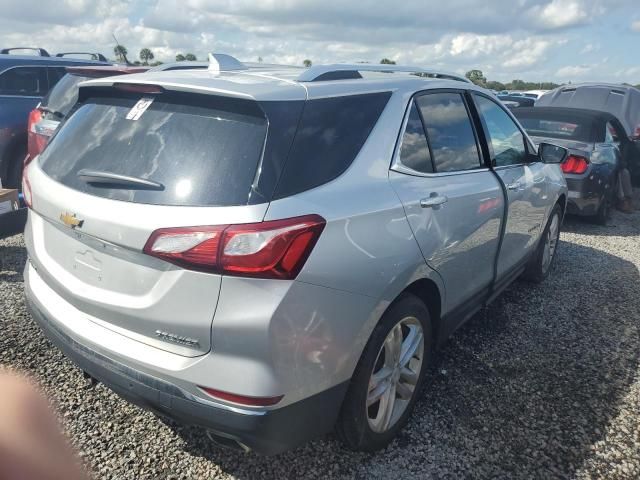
(37,137)
(273,249)
(575,164)
(636,134)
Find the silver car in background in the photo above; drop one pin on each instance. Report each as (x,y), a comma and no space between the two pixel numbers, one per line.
(274,253)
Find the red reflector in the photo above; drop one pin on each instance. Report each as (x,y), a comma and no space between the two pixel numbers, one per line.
(138,88)
(273,249)
(242,399)
(575,164)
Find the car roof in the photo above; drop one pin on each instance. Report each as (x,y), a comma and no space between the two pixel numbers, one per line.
(265,83)
(8,61)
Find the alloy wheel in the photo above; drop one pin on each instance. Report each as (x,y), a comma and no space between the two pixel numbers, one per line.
(551,242)
(395,374)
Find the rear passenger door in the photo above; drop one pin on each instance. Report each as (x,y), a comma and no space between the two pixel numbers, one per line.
(453,203)
(522,179)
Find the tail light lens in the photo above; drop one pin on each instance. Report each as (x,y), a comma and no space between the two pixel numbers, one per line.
(636,133)
(273,249)
(37,134)
(575,164)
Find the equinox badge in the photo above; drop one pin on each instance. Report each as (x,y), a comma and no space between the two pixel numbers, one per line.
(71,220)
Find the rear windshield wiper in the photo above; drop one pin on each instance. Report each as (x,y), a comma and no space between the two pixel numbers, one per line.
(115,180)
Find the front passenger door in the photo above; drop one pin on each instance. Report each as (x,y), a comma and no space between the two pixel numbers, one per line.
(523,182)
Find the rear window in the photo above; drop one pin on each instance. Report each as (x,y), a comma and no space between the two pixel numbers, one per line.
(63,96)
(204,150)
(557,126)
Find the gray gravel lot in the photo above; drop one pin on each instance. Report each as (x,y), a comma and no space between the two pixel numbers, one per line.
(545,383)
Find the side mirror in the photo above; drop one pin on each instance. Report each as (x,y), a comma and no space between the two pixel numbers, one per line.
(549,153)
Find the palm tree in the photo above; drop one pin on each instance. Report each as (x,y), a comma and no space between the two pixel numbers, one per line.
(146,55)
(190,57)
(180,57)
(307,63)
(120,52)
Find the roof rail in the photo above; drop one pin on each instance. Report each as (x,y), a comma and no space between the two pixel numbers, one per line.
(344,71)
(221,62)
(94,56)
(41,51)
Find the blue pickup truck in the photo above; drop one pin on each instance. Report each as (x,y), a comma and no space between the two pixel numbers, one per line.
(24,80)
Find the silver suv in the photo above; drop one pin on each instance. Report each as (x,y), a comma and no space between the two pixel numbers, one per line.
(272,253)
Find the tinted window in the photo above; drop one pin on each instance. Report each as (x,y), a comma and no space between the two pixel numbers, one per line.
(506,142)
(205,150)
(414,152)
(330,135)
(453,144)
(55,75)
(26,81)
(63,96)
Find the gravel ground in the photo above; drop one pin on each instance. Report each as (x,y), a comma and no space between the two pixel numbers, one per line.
(545,383)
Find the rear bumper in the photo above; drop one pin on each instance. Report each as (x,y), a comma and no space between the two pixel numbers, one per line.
(263,431)
(585,195)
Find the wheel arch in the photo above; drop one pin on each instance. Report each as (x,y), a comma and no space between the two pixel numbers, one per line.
(428,291)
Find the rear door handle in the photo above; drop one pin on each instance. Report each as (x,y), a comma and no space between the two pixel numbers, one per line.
(514,186)
(436,201)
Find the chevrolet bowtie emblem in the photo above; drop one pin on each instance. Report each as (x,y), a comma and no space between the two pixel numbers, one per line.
(71,220)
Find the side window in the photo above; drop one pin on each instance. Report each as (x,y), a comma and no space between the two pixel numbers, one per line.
(414,151)
(611,136)
(330,134)
(449,131)
(24,81)
(506,142)
(55,74)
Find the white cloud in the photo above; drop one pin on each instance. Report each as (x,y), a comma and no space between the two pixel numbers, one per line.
(559,14)
(635,26)
(505,38)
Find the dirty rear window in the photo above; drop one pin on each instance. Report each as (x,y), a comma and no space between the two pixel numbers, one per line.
(203,150)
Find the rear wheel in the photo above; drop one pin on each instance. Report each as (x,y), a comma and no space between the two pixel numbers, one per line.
(388,378)
(540,264)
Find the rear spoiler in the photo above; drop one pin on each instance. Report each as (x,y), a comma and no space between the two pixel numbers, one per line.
(41,51)
(99,71)
(94,56)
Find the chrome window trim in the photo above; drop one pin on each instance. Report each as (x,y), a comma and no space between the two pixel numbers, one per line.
(399,167)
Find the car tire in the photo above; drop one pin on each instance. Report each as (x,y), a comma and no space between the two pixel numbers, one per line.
(379,373)
(540,264)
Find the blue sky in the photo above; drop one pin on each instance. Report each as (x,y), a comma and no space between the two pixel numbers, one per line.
(560,40)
